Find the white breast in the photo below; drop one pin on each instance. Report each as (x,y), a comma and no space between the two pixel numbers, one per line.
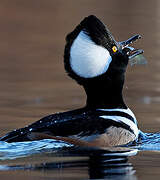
(88,59)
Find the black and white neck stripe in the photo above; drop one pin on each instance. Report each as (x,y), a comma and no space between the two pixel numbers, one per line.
(122,116)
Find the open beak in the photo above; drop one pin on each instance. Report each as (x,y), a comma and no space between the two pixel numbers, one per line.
(133,54)
(130,40)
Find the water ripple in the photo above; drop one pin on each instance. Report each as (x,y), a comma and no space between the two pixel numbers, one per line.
(23,149)
(151,142)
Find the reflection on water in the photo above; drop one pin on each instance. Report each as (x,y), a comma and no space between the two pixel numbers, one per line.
(100,163)
(52,156)
(96,163)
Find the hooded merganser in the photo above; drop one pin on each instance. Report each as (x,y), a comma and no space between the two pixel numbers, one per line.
(96,61)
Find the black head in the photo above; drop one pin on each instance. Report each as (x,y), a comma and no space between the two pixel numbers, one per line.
(92,52)
(95,60)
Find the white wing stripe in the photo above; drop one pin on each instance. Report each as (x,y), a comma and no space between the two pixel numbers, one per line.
(127,111)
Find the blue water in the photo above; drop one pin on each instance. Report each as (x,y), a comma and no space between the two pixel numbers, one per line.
(50,156)
(99,162)
(150,143)
(24,149)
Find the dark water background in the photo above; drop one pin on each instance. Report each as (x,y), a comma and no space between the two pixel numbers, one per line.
(33,82)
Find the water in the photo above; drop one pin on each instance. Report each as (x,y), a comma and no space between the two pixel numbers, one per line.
(49,157)
(34,84)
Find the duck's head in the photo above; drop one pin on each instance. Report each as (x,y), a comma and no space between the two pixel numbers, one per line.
(98,62)
(91,52)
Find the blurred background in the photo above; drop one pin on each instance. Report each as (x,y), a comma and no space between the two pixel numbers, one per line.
(33,82)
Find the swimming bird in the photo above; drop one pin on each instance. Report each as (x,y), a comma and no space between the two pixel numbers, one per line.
(96,61)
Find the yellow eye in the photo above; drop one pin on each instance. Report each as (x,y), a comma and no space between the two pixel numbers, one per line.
(114,49)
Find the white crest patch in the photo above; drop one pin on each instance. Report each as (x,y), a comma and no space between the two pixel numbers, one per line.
(88,59)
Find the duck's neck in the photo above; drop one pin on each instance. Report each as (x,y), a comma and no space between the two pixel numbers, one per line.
(104,95)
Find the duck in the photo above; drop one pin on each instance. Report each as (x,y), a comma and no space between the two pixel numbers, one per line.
(98,63)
